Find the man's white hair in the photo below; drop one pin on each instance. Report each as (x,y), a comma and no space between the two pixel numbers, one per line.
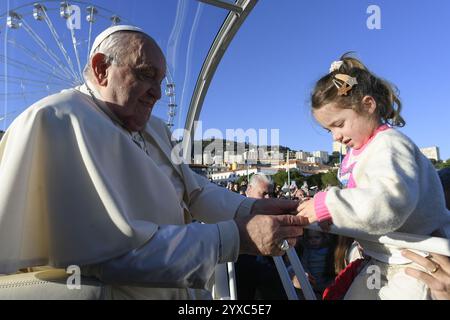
(258,178)
(115,48)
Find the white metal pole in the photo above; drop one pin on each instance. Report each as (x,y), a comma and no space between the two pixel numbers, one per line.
(285,279)
(232,281)
(248,174)
(288,174)
(307,290)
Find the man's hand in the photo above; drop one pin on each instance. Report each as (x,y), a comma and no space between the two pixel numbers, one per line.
(263,234)
(275,206)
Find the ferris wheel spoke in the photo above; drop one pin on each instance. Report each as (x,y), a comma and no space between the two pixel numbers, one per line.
(8,115)
(38,59)
(13,79)
(92,12)
(22,87)
(32,69)
(75,49)
(37,67)
(12,95)
(44,47)
(60,45)
(89,42)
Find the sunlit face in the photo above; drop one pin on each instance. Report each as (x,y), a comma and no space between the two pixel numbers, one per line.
(258,191)
(346,125)
(134,86)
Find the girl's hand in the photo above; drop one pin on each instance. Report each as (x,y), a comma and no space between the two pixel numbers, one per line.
(306,210)
(296,282)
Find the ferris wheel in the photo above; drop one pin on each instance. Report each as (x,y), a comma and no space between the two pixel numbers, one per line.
(46,45)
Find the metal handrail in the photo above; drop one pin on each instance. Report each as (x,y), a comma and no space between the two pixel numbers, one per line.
(398,239)
(228,30)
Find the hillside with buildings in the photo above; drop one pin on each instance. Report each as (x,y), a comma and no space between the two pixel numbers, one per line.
(223,160)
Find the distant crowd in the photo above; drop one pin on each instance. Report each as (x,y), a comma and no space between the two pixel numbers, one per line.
(275,190)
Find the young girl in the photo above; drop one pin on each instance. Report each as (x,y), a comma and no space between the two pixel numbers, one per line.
(389,184)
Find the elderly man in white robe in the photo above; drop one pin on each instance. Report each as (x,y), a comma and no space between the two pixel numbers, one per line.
(88,179)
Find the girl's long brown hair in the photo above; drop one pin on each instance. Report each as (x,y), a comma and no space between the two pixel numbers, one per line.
(384,94)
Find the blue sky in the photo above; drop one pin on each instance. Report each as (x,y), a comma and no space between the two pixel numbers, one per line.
(285,46)
(266,76)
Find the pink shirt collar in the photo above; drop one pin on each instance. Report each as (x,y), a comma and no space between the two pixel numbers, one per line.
(381,128)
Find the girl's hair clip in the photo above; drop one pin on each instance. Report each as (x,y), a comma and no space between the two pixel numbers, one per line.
(336,65)
(344,83)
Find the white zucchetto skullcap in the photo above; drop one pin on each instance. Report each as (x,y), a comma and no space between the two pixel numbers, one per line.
(106,33)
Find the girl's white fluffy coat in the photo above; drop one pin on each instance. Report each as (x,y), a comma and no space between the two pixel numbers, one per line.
(398,189)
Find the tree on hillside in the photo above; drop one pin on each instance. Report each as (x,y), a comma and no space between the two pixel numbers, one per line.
(242,179)
(281,177)
(315,180)
(441,164)
(330,178)
(335,158)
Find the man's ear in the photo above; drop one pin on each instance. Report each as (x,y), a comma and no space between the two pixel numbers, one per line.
(100,68)
(369,104)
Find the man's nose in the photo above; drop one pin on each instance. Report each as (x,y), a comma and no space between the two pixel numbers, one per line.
(155,90)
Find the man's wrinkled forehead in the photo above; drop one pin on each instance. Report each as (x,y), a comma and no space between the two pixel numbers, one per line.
(149,45)
(142,49)
(147,53)
(135,32)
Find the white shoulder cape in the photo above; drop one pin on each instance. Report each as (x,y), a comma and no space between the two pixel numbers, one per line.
(76,189)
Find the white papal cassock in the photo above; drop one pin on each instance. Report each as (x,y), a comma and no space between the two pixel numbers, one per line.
(77,190)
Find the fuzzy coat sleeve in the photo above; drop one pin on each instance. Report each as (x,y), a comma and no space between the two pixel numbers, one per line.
(388,186)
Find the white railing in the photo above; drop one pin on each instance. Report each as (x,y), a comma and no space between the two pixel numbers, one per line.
(226,286)
(398,239)
(225,282)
